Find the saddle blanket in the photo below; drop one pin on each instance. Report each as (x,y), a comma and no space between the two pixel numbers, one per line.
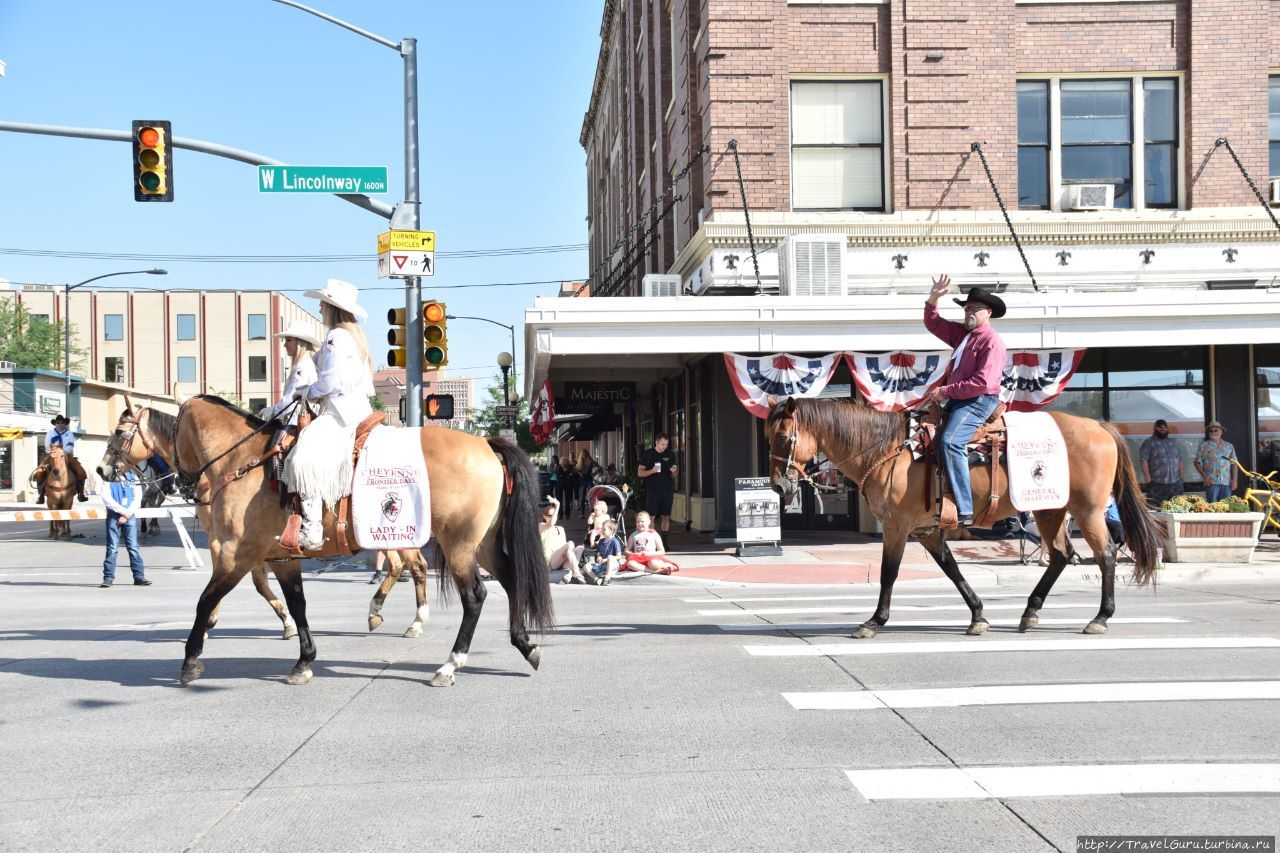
(1039,476)
(390,496)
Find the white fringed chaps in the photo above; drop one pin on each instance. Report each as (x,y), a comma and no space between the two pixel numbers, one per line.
(320,463)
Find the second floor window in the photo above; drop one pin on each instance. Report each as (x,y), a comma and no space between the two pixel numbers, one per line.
(837,146)
(1273,125)
(186,368)
(113,327)
(1033,145)
(1097,135)
(257,327)
(257,368)
(186,327)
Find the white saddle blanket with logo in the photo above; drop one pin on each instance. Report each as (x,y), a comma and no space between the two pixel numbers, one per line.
(390,496)
(1039,476)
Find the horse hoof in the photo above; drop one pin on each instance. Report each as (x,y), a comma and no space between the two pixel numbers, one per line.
(864,632)
(442,680)
(413,632)
(1095,628)
(1027,623)
(299,676)
(374,622)
(534,657)
(978,628)
(190,672)
(290,631)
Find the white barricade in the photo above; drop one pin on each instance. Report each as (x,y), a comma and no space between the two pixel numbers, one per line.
(175,512)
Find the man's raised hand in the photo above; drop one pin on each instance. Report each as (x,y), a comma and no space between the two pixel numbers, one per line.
(941,285)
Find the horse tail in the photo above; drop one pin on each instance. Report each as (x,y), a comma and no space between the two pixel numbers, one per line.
(521,544)
(1139,529)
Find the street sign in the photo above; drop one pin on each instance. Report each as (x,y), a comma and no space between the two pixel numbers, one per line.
(507,435)
(395,264)
(322,179)
(506,411)
(410,241)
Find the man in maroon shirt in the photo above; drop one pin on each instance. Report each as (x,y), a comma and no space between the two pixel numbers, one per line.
(970,388)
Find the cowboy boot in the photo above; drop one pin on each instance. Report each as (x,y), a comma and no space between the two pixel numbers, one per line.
(311,535)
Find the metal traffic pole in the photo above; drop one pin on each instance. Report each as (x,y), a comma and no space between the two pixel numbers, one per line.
(407,214)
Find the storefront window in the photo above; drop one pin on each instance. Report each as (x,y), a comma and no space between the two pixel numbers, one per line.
(1266,361)
(6,465)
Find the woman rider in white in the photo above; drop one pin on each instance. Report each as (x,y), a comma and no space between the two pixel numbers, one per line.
(300,345)
(319,468)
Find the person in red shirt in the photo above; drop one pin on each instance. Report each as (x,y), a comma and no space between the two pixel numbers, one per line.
(970,388)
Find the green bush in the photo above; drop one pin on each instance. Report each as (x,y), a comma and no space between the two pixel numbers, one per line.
(1195,503)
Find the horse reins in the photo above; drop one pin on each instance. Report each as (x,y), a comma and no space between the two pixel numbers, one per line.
(792,465)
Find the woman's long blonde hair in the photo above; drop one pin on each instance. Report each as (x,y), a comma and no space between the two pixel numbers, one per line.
(302,349)
(336,318)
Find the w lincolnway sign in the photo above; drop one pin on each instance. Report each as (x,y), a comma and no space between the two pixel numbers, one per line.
(322,179)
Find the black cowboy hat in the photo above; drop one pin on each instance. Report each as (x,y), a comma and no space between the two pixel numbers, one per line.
(57,419)
(987,298)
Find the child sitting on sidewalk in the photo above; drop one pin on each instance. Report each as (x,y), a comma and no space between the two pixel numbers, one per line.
(595,522)
(645,552)
(608,554)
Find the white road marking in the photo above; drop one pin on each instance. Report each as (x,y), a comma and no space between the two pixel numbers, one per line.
(959,646)
(4,575)
(926,608)
(896,597)
(937,623)
(982,783)
(1034,694)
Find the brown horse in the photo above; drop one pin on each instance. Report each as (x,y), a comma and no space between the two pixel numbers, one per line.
(869,447)
(60,488)
(484,505)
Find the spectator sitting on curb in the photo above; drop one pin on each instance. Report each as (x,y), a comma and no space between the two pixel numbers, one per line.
(608,555)
(645,551)
(556,547)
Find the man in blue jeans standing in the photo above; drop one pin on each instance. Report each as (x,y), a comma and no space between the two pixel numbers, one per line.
(122,496)
(970,387)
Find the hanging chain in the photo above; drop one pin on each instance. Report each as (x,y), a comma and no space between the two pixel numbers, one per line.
(977,146)
(1222,140)
(746,213)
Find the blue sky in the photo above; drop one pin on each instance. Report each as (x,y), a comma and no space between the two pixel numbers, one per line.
(503,88)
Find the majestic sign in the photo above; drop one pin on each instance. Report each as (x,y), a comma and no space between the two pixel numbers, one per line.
(594,398)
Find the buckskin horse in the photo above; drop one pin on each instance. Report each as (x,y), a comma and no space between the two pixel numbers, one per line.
(869,447)
(60,487)
(483,510)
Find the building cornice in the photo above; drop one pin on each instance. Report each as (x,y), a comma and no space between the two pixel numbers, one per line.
(602,64)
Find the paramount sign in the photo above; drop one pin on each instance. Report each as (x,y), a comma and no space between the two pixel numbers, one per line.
(594,398)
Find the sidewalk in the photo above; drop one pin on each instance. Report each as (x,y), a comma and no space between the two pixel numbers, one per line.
(851,558)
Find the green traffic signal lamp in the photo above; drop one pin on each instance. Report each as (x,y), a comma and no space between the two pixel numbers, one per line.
(152,161)
(435,334)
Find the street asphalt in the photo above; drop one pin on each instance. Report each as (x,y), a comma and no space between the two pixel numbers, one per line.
(668,714)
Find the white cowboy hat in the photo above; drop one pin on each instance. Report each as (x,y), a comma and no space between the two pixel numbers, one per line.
(341,294)
(301,331)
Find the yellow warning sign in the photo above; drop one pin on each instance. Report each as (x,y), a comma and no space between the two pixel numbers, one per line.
(407,241)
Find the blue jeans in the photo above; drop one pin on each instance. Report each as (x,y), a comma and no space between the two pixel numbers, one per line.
(1216,492)
(963,419)
(130,532)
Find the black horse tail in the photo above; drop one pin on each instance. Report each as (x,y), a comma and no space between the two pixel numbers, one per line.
(527,582)
(1139,529)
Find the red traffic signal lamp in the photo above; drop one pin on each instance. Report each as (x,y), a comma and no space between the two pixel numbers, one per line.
(435,335)
(440,407)
(152,161)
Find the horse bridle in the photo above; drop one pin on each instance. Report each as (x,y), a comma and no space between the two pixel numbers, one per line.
(120,460)
(802,476)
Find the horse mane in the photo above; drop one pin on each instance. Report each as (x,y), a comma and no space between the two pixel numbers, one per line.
(852,420)
(253,419)
(164,425)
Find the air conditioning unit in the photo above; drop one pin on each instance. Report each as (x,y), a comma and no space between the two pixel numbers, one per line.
(8,365)
(1091,196)
(661,285)
(1275,191)
(811,265)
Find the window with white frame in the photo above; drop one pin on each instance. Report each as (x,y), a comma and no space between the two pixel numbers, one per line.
(257,327)
(1273,125)
(837,145)
(1119,131)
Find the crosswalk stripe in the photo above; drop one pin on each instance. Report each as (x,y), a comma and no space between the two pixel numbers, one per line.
(898,608)
(1034,694)
(981,783)
(960,646)
(936,623)
(896,597)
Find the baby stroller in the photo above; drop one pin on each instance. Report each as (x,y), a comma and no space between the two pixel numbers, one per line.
(616,500)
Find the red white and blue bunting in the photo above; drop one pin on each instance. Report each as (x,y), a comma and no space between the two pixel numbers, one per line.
(893,381)
(756,378)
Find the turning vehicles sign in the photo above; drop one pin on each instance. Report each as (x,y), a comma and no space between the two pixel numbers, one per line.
(402,254)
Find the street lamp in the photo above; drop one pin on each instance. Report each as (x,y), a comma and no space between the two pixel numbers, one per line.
(66,326)
(505,360)
(407,213)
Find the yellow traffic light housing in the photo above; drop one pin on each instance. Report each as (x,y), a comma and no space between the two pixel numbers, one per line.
(398,337)
(152,161)
(435,335)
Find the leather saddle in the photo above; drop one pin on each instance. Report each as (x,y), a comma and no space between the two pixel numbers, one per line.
(985,448)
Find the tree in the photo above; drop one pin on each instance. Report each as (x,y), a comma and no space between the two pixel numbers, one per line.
(487,421)
(32,341)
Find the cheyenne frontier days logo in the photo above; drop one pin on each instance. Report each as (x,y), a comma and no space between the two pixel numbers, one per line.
(391,504)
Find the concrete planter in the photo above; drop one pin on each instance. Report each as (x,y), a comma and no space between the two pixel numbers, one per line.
(1208,537)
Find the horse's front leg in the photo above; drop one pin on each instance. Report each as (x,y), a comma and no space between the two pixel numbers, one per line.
(895,544)
(936,544)
(290,576)
(225,577)
(260,583)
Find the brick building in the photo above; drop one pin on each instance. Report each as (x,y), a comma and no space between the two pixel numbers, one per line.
(855,125)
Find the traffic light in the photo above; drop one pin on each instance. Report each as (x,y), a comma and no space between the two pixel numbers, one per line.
(434,334)
(398,337)
(152,161)
(440,407)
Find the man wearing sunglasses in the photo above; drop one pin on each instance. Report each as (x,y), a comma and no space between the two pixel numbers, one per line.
(970,387)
